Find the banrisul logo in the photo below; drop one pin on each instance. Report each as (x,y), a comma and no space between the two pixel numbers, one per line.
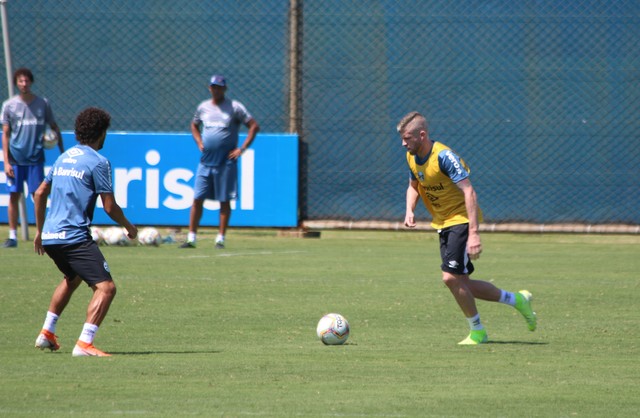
(172,189)
(434,188)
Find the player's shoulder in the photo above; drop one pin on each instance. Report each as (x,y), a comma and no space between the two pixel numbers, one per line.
(12,102)
(85,152)
(237,104)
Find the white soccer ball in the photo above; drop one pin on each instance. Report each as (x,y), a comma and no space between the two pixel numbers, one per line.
(333,329)
(149,236)
(49,139)
(115,235)
(96,235)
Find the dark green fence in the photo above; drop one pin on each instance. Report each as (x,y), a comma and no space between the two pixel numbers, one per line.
(540,97)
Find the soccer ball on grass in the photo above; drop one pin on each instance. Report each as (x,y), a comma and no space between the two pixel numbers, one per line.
(116,235)
(149,236)
(96,235)
(333,329)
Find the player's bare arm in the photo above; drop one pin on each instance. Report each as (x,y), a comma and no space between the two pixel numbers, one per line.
(254,128)
(6,134)
(197,136)
(412,202)
(40,203)
(56,129)
(474,245)
(115,212)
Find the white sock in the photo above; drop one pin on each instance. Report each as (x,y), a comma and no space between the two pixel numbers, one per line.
(191,237)
(219,238)
(474,323)
(88,333)
(507,298)
(13,234)
(50,322)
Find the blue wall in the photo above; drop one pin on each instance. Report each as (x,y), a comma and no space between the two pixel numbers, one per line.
(154,175)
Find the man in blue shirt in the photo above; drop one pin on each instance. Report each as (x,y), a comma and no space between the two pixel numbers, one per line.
(24,120)
(74,182)
(215,128)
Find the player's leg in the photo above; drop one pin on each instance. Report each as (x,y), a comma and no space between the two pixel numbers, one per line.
(103,294)
(195,215)
(12,214)
(226,186)
(87,261)
(456,268)
(15,187)
(520,300)
(225,216)
(60,298)
(458,285)
(194,221)
(484,290)
(202,189)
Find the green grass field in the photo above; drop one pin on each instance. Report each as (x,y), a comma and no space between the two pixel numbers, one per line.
(231,333)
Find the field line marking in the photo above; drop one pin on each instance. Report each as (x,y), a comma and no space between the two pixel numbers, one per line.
(246,254)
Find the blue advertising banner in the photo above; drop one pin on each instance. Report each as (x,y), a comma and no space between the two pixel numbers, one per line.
(153,176)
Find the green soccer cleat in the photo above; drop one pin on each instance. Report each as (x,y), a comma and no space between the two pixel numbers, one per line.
(475,338)
(523,305)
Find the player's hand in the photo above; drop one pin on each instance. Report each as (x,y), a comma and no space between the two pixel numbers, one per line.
(474,246)
(37,244)
(409,220)
(132,231)
(235,154)
(8,170)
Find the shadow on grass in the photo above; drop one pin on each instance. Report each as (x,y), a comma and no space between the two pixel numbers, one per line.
(148,353)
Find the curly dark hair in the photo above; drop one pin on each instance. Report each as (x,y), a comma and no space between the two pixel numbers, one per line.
(22,72)
(91,123)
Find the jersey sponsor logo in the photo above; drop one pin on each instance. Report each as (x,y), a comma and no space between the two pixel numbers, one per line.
(216,124)
(435,188)
(54,235)
(68,172)
(29,122)
(454,161)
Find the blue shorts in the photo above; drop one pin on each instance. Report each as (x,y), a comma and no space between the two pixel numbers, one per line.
(217,183)
(32,174)
(81,259)
(453,249)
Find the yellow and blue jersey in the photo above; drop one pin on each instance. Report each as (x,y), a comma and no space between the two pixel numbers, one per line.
(437,175)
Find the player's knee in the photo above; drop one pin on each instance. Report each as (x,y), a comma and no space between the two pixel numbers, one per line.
(450,280)
(107,288)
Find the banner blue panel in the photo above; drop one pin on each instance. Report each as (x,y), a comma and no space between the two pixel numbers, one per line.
(153,176)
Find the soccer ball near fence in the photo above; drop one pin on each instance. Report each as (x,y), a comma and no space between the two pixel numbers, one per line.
(333,329)
(149,236)
(49,139)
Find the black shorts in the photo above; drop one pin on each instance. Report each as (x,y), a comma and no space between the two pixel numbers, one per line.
(84,259)
(453,249)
